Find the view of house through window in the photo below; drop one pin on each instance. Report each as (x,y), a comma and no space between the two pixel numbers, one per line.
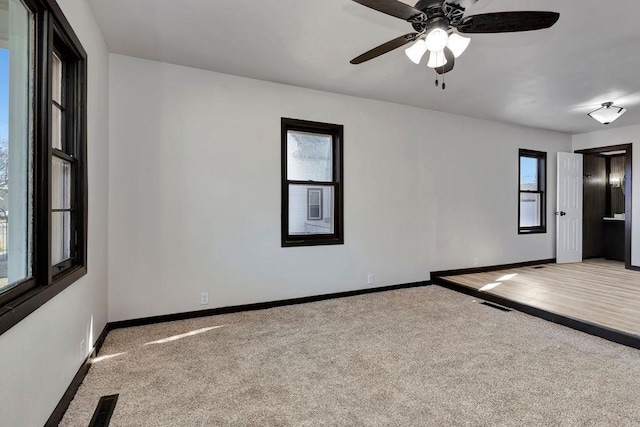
(310,206)
(314,203)
(16,96)
(532,191)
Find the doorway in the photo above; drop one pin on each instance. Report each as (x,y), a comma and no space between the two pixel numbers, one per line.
(606,215)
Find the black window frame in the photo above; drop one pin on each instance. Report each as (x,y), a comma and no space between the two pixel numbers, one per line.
(336,132)
(53,33)
(541,158)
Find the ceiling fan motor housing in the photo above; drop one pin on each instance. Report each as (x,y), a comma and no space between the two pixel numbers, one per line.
(436,16)
(429,6)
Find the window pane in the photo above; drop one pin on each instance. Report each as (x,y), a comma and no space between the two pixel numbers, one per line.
(60,183)
(309,157)
(56,127)
(56,80)
(314,212)
(60,236)
(300,212)
(528,174)
(16,96)
(314,196)
(530,210)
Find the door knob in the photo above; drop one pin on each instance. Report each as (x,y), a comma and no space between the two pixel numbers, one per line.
(561,213)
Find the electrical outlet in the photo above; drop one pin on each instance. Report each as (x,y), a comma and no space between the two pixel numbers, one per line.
(476,261)
(204,298)
(370,279)
(82,349)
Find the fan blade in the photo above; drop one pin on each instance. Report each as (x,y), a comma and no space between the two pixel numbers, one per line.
(385,47)
(451,61)
(395,8)
(507,22)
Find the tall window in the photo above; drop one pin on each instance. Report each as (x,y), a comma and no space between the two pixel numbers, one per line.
(66,112)
(42,156)
(17,70)
(532,195)
(312,193)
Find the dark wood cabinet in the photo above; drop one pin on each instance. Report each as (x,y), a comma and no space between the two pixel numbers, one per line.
(613,239)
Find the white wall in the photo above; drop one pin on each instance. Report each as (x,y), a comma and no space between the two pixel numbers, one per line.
(40,355)
(617,136)
(194,191)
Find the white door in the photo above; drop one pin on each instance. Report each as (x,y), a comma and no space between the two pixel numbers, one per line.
(569,208)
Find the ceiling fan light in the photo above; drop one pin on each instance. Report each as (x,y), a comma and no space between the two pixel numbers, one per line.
(416,51)
(608,113)
(437,39)
(458,44)
(436,59)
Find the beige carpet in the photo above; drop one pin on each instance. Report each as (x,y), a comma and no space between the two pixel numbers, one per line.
(422,356)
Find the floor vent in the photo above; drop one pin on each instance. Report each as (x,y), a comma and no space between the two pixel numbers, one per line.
(104,410)
(539,266)
(496,306)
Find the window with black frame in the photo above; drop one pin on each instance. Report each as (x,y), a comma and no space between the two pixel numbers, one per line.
(312,194)
(43,193)
(532,192)
(63,161)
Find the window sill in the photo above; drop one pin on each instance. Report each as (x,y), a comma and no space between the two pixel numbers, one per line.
(312,242)
(16,310)
(533,231)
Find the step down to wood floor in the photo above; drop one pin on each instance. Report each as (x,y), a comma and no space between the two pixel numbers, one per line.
(496,306)
(104,410)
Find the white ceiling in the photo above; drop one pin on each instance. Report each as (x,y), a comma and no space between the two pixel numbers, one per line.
(546,79)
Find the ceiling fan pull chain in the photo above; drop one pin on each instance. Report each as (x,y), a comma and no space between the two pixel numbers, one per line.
(443,83)
(436,77)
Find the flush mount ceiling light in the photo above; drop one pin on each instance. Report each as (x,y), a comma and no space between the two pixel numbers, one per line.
(608,113)
(436,26)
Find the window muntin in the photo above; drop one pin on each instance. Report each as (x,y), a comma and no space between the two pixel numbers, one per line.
(532,197)
(311,183)
(16,140)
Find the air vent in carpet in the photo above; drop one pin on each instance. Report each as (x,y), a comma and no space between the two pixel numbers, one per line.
(539,266)
(496,306)
(104,410)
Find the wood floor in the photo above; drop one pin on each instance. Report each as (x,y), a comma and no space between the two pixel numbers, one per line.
(598,292)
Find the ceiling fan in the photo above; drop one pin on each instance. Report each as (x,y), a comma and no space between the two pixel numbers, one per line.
(438,25)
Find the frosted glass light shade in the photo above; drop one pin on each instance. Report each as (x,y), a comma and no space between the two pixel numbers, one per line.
(437,39)
(458,44)
(614,180)
(607,113)
(416,51)
(437,59)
